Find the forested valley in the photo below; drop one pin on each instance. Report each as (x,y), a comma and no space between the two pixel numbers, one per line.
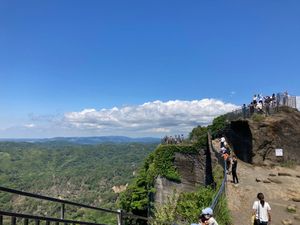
(75,172)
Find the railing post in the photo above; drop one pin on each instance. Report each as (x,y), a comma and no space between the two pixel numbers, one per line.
(1,220)
(13,220)
(25,221)
(225,173)
(120,217)
(62,211)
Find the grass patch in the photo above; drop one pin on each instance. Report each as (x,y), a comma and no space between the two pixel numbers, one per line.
(257,117)
(291,209)
(288,164)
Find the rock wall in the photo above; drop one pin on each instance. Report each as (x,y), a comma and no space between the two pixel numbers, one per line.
(192,169)
(239,136)
(255,141)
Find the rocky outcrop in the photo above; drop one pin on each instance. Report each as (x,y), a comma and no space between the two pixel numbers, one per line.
(192,170)
(255,141)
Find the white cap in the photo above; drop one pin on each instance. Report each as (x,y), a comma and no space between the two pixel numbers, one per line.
(207,211)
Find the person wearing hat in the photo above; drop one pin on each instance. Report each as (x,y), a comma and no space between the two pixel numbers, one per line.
(206,217)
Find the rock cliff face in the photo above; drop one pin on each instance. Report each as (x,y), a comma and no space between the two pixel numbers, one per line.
(192,169)
(255,141)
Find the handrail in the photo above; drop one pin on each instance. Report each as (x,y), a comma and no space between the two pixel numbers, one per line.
(223,185)
(23,193)
(220,191)
(26,216)
(245,112)
(129,215)
(63,202)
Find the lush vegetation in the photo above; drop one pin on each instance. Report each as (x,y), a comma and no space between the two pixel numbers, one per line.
(198,134)
(257,117)
(80,173)
(87,173)
(137,197)
(218,125)
(185,209)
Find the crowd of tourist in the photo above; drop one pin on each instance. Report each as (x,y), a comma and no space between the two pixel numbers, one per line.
(176,139)
(262,104)
(259,102)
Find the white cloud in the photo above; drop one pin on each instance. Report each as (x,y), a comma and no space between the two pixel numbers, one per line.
(152,118)
(30,125)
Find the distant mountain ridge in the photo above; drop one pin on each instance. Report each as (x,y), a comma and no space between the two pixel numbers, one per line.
(86,140)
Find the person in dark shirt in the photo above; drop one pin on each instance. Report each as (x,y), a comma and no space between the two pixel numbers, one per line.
(244,109)
(233,170)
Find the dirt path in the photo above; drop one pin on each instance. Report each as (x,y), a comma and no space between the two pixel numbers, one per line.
(279,195)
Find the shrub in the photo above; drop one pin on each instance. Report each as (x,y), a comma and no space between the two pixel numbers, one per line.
(137,198)
(218,125)
(257,117)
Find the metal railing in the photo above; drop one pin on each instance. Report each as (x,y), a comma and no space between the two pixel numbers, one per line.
(222,188)
(121,215)
(267,109)
(220,191)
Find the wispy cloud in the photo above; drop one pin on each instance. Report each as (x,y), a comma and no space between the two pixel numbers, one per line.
(30,125)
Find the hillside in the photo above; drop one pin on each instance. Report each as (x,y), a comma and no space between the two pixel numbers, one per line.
(82,173)
(85,140)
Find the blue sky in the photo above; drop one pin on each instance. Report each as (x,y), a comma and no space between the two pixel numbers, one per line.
(60,59)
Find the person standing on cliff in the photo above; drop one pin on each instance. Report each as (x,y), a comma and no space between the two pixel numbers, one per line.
(223,140)
(235,179)
(285,98)
(244,109)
